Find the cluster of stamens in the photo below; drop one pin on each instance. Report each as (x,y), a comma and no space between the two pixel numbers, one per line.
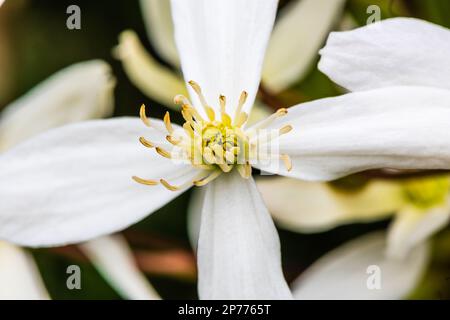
(215,145)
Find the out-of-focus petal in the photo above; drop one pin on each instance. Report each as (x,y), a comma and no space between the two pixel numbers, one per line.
(413,226)
(19,275)
(114,260)
(393,52)
(300,31)
(79,92)
(347,272)
(155,80)
(158,20)
(314,206)
(238,248)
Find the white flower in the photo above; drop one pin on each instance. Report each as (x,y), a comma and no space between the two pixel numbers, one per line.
(394,52)
(77,184)
(79,92)
(114,260)
(420,206)
(300,31)
(344,273)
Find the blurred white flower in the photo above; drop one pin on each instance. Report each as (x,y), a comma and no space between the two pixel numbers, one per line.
(79,92)
(420,207)
(342,273)
(77,179)
(114,260)
(300,31)
(396,52)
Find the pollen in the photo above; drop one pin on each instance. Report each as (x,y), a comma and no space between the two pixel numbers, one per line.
(215,143)
(427,192)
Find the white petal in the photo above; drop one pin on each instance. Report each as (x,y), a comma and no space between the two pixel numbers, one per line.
(155,80)
(343,273)
(396,127)
(222,44)
(77,182)
(298,35)
(80,92)
(158,20)
(413,226)
(194,215)
(19,275)
(302,206)
(114,260)
(238,248)
(393,52)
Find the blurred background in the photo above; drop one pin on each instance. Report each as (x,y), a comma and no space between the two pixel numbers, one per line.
(35,43)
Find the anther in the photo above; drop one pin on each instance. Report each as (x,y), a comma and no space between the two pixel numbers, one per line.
(168,186)
(180,99)
(173,140)
(287,161)
(145,181)
(143,116)
(199,93)
(167,122)
(285,129)
(207,179)
(163,153)
(242,99)
(146,143)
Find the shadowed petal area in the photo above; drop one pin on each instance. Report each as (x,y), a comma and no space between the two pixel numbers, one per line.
(299,32)
(412,226)
(79,92)
(303,206)
(75,183)
(345,273)
(158,20)
(19,275)
(238,249)
(114,260)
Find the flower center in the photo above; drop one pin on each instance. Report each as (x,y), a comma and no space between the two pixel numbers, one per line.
(216,143)
(426,193)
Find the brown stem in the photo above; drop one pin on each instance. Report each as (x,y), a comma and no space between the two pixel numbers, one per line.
(269,99)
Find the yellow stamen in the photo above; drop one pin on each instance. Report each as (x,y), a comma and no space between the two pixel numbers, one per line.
(180,99)
(168,186)
(143,116)
(167,122)
(210,112)
(242,99)
(241,119)
(173,140)
(287,161)
(223,103)
(163,152)
(199,93)
(146,143)
(285,129)
(207,179)
(245,170)
(145,181)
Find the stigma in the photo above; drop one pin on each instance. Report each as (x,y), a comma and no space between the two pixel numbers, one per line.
(214,143)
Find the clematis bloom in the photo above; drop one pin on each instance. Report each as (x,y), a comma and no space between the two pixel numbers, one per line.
(78,179)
